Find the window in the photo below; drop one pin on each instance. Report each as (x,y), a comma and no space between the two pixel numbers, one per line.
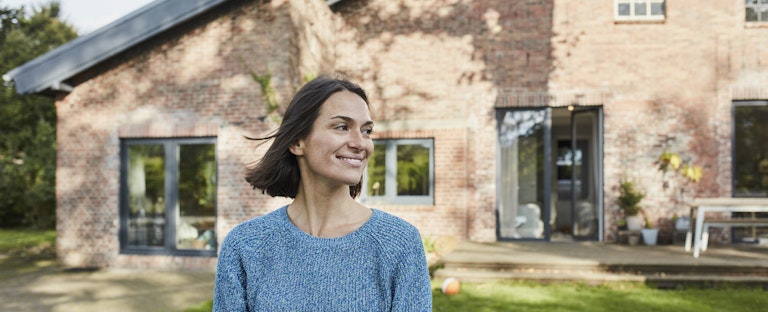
(566,169)
(639,10)
(400,172)
(756,10)
(168,196)
(750,160)
(750,153)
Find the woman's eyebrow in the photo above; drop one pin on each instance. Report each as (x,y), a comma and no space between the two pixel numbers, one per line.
(350,119)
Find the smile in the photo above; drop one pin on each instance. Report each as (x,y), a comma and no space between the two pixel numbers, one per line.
(353,161)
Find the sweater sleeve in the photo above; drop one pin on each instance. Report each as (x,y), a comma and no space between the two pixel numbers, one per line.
(412,288)
(229,292)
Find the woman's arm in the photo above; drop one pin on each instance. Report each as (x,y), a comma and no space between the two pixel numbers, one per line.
(412,289)
(229,291)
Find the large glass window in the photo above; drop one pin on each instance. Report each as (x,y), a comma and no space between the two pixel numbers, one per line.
(750,151)
(639,10)
(168,197)
(756,10)
(400,172)
(750,160)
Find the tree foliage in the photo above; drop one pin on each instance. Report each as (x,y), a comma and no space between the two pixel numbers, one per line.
(28,122)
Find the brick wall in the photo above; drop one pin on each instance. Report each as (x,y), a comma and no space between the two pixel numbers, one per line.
(433,69)
(193,82)
(444,59)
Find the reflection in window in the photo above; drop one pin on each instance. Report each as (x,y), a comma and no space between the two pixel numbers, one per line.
(146,193)
(197,197)
(169,196)
(400,172)
(750,160)
(756,10)
(566,169)
(375,181)
(413,169)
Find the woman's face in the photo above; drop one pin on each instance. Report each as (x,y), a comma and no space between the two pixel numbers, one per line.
(338,147)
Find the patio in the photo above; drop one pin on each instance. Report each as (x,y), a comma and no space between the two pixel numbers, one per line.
(665,266)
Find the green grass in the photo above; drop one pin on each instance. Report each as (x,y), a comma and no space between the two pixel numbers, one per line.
(203,307)
(26,252)
(22,241)
(627,297)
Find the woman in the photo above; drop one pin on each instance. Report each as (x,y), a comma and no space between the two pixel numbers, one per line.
(324,251)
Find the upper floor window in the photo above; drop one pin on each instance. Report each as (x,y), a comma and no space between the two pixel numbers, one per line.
(756,10)
(400,171)
(639,10)
(168,196)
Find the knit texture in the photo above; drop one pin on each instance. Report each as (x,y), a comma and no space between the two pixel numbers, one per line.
(268,264)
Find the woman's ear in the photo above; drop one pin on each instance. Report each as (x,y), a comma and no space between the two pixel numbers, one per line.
(297,148)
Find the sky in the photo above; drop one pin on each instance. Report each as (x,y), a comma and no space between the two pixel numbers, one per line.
(86,15)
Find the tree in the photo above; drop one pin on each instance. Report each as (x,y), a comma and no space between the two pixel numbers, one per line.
(28,122)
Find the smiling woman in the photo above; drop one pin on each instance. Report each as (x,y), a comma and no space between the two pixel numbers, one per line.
(324,251)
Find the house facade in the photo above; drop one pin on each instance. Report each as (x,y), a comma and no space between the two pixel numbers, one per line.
(495,120)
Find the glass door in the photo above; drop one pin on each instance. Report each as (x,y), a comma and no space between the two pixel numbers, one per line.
(586,173)
(522,183)
(549,183)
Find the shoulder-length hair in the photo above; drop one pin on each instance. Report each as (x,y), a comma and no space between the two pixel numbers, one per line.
(277,173)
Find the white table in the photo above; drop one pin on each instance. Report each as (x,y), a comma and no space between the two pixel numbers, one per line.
(701,206)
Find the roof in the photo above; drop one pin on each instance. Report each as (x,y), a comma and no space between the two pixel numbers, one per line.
(50,71)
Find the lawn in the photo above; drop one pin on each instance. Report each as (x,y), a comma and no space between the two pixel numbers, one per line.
(26,251)
(21,241)
(625,297)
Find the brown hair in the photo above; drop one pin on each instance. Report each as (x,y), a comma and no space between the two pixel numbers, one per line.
(277,173)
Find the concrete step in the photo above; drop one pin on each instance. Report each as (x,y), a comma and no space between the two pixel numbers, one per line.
(625,268)
(665,279)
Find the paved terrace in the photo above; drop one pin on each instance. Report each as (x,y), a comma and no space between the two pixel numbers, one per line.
(663,265)
(54,289)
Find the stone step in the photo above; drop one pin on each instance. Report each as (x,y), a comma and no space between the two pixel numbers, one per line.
(659,279)
(626,268)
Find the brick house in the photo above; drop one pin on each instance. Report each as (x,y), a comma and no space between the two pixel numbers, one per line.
(481,108)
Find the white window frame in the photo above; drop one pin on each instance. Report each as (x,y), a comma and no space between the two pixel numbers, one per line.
(633,16)
(391,197)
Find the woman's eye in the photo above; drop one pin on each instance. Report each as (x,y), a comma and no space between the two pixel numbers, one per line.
(368,131)
(342,127)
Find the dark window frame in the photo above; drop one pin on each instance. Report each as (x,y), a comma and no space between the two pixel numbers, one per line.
(391,197)
(171,152)
(739,234)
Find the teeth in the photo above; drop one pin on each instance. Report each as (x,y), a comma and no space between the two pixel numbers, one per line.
(351,160)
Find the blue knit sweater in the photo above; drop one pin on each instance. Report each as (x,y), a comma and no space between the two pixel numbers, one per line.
(268,264)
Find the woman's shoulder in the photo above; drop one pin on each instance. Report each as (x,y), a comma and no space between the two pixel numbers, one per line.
(393,231)
(261,226)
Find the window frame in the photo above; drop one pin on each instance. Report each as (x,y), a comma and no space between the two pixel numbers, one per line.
(756,7)
(390,180)
(171,171)
(734,173)
(633,17)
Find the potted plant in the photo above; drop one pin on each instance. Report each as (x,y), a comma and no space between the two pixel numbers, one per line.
(629,201)
(650,234)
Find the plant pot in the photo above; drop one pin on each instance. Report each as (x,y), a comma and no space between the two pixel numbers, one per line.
(650,236)
(634,223)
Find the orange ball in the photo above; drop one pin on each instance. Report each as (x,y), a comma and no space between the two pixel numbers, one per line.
(451,286)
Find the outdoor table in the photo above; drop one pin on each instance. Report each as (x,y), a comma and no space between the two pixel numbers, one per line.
(701,206)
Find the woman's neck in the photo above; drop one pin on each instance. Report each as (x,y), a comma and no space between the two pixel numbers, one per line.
(327,213)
